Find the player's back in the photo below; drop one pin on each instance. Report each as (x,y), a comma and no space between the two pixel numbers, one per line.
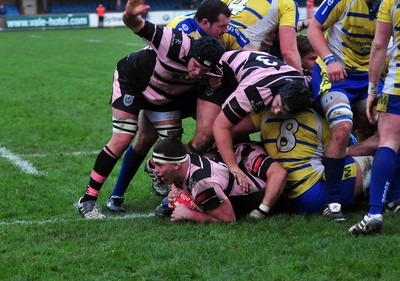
(251,67)
(297,142)
(247,12)
(258,18)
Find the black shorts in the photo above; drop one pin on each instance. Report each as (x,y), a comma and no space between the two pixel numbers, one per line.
(214,96)
(218,96)
(244,204)
(131,78)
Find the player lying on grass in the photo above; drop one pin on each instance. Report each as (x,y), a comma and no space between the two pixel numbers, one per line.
(215,192)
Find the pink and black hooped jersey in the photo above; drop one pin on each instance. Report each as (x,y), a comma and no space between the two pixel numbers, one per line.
(210,183)
(257,75)
(170,77)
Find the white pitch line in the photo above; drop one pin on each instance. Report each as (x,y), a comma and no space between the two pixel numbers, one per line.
(94,41)
(130,216)
(41,155)
(17,161)
(135,44)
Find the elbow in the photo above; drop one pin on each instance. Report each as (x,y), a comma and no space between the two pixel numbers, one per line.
(311,30)
(216,124)
(282,174)
(290,54)
(378,46)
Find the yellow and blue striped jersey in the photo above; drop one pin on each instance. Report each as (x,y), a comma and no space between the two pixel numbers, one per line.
(389,12)
(350,28)
(297,142)
(259,18)
(234,39)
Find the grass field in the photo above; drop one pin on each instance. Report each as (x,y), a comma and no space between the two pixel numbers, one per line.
(55,118)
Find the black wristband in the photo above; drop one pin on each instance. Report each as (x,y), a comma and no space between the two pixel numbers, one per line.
(303,25)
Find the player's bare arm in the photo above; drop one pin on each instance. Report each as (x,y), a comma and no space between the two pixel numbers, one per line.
(131,16)
(288,45)
(378,56)
(315,33)
(223,138)
(223,213)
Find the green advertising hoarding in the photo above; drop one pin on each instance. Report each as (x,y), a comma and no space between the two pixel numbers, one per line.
(58,21)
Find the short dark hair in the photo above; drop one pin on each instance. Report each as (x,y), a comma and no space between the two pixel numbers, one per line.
(211,9)
(304,46)
(295,96)
(170,147)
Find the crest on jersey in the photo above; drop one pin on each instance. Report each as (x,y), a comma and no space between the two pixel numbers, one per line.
(128,100)
(208,91)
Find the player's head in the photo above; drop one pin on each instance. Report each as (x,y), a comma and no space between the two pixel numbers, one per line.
(307,53)
(207,51)
(295,96)
(213,16)
(211,9)
(170,151)
(168,157)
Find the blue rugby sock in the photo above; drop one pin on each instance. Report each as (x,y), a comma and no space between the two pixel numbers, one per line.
(130,165)
(383,169)
(333,175)
(394,190)
(165,201)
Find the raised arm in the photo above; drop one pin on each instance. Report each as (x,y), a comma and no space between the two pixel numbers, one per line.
(131,16)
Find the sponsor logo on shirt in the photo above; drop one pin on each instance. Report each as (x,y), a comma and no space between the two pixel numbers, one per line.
(175,41)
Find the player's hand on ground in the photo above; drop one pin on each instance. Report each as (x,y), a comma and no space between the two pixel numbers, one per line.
(136,7)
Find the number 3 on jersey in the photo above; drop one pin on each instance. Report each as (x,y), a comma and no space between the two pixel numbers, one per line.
(286,140)
(237,6)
